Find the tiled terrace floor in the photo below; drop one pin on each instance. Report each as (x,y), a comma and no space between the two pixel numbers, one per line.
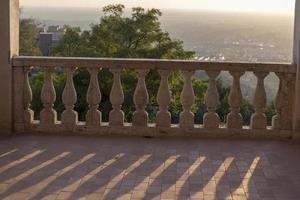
(74,167)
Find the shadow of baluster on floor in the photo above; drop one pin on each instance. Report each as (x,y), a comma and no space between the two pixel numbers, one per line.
(136,183)
(199,177)
(69,174)
(15,155)
(277,175)
(15,180)
(159,179)
(24,161)
(231,184)
(40,179)
(28,166)
(107,187)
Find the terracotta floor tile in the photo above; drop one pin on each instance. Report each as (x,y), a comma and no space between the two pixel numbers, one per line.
(138,168)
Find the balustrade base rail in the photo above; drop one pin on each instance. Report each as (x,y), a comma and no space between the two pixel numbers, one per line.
(152,131)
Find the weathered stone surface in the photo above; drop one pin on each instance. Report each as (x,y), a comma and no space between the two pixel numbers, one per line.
(188,65)
(288,104)
(277,120)
(211,118)
(140,126)
(141,99)
(93,98)
(116,116)
(18,118)
(296,61)
(48,116)
(259,119)
(28,113)
(187,100)
(163,117)
(235,99)
(69,117)
(9,34)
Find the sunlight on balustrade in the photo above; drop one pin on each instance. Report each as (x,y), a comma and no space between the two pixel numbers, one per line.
(93,123)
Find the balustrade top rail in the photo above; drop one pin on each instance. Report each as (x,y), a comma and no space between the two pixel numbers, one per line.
(27,61)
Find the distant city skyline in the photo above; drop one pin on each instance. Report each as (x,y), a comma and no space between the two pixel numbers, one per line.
(277,6)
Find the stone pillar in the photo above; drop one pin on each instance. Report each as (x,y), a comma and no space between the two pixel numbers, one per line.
(211,119)
(259,118)
(235,100)
(296,60)
(141,99)
(9,41)
(116,116)
(187,99)
(93,97)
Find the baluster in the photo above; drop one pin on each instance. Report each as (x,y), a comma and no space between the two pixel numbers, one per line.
(116,116)
(187,99)
(69,117)
(28,113)
(48,115)
(276,120)
(234,118)
(93,116)
(211,118)
(259,119)
(163,117)
(141,99)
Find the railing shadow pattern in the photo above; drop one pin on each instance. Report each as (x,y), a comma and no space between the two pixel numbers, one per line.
(48,167)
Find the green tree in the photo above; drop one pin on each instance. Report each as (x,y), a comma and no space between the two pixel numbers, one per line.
(138,35)
(29,34)
(69,44)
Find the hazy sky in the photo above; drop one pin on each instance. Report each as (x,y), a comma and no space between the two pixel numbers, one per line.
(228,5)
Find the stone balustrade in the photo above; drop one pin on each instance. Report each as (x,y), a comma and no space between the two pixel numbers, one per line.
(282,125)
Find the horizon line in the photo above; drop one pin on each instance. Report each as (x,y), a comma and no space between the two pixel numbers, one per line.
(176,9)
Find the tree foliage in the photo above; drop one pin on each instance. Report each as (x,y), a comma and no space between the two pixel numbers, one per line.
(29,33)
(117,36)
(138,35)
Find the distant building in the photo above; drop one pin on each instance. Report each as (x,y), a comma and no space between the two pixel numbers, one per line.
(45,43)
(49,37)
(52,29)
